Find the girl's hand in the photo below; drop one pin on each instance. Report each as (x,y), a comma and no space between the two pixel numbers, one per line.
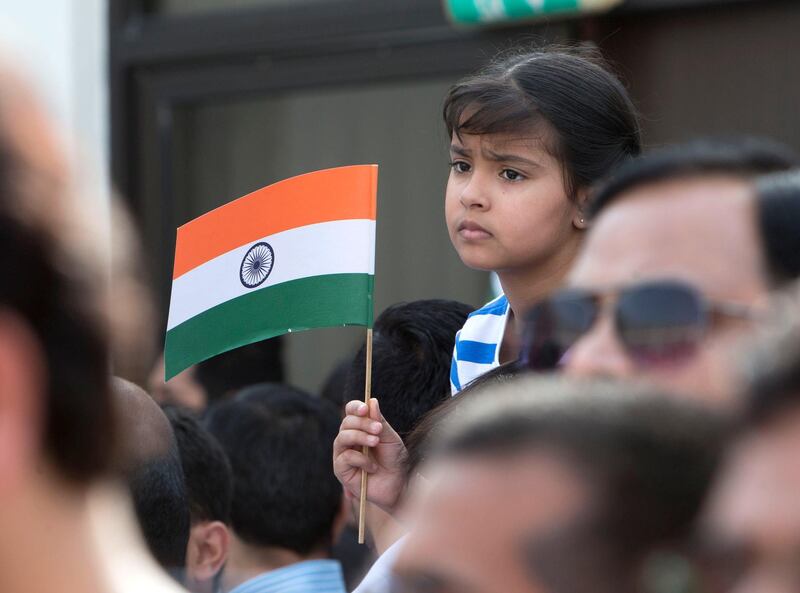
(367,426)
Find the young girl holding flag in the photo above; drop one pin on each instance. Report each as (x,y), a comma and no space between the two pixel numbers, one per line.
(529,136)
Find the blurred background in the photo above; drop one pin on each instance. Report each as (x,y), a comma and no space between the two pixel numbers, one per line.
(183,105)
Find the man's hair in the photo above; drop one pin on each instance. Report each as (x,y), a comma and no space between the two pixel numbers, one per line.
(419,440)
(280,444)
(771,364)
(53,283)
(152,468)
(334,388)
(226,373)
(745,158)
(647,462)
(206,469)
(162,508)
(411,354)
(778,203)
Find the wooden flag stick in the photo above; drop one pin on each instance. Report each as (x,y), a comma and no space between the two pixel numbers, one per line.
(362,509)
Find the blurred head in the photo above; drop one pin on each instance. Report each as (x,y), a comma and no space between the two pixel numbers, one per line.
(530,134)
(279,441)
(652,293)
(411,353)
(219,377)
(209,489)
(751,528)
(425,432)
(543,486)
(154,475)
(55,404)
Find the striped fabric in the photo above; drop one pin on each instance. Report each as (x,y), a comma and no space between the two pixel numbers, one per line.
(311,576)
(477,343)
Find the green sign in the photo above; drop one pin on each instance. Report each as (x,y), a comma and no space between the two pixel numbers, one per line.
(495,11)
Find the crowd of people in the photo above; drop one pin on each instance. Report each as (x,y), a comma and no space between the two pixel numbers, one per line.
(624,417)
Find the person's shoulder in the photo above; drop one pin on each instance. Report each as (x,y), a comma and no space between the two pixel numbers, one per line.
(497,306)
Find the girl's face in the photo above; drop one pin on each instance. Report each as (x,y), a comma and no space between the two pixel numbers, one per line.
(506,206)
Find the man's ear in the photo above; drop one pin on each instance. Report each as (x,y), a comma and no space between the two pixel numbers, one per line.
(580,219)
(22,381)
(207,551)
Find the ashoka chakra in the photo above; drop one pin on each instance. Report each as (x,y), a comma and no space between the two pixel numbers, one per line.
(256,265)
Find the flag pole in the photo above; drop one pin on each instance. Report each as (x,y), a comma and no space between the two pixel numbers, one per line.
(362,509)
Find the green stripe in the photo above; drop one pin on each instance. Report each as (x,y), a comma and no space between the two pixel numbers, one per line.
(474,11)
(318,301)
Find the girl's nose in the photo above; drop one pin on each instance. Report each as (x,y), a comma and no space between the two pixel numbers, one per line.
(474,194)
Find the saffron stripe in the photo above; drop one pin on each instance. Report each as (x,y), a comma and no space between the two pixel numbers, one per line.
(342,193)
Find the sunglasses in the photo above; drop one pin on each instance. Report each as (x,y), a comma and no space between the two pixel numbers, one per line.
(658,322)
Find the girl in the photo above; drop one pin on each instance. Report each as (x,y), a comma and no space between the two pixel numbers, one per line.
(529,136)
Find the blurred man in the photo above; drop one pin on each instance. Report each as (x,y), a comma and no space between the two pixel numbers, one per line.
(209,487)
(287,506)
(62,528)
(217,378)
(542,486)
(154,474)
(751,531)
(675,268)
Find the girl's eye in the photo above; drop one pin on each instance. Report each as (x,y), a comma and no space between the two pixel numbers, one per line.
(460,166)
(511,175)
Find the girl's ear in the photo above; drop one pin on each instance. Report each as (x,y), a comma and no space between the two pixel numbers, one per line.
(579,220)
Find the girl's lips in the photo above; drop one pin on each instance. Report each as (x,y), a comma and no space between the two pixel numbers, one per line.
(471,231)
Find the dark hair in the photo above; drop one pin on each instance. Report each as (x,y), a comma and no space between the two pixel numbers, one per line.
(222,375)
(162,508)
(778,203)
(411,354)
(744,157)
(570,91)
(647,461)
(206,469)
(419,439)
(280,444)
(334,388)
(54,286)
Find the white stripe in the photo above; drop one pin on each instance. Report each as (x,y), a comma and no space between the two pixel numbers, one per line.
(338,247)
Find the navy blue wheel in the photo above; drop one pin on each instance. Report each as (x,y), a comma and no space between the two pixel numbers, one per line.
(256,265)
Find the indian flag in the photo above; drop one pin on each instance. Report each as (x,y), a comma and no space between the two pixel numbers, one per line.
(295,255)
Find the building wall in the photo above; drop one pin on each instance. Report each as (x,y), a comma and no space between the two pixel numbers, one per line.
(61,45)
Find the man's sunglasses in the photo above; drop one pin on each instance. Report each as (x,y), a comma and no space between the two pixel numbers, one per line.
(658,322)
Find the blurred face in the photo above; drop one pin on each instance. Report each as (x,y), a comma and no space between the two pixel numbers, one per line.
(473,518)
(753,517)
(506,207)
(699,231)
(182,390)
